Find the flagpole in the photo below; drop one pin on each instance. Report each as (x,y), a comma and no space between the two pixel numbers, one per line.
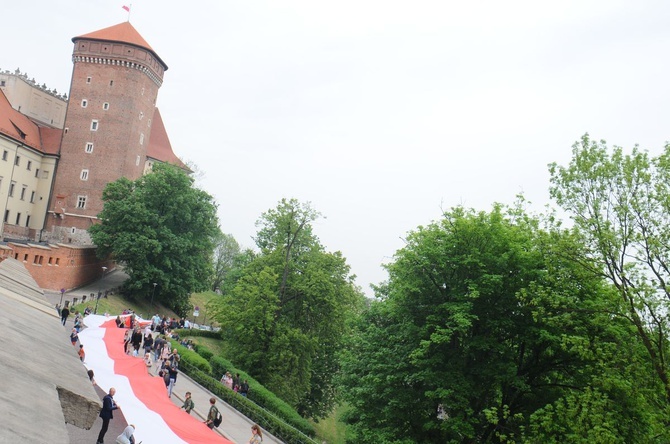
(130,7)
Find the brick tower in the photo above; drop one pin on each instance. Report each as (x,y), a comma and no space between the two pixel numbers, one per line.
(115,82)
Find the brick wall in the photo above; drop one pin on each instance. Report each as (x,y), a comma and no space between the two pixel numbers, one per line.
(59,265)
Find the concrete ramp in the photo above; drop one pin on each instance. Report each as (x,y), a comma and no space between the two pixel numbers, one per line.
(43,385)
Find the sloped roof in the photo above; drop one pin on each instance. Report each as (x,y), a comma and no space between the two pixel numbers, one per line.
(159,143)
(20,128)
(122,33)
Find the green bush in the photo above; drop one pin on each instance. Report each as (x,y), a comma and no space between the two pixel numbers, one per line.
(274,423)
(191,358)
(195,332)
(262,396)
(203,351)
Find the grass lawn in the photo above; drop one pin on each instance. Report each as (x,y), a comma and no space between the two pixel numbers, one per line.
(331,429)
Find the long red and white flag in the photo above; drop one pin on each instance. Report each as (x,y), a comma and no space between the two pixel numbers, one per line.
(126,8)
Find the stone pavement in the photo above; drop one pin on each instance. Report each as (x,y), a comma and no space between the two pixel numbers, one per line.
(235,426)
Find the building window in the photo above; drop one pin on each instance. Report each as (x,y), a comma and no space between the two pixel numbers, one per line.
(141,115)
(29,165)
(6,215)
(81,202)
(25,257)
(28,220)
(2,83)
(137,161)
(4,154)
(105,106)
(141,138)
(50,260)
(89,147)
(11,189)
(37,173)
(84,175)
(17,160)
(88,80)
(111,83)
(32,197)
(94,125)
(142,91)
(66,130)
(84,103)
(45,174)
(23,192)
(149,123)
(18,218)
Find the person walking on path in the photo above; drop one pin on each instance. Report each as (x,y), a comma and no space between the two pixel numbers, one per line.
(127,436)
(188,403)
(256,435)
(64,313)
(74,337)
(108,407)
(213,414)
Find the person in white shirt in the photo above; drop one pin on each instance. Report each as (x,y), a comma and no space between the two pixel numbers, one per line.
(127,436)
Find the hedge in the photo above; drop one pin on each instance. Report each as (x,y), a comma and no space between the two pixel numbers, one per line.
(268,420)
(264,397)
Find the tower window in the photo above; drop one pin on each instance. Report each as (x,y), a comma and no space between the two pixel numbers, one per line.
(81,202)
(84,175)
(18,218)
(111,83)
(141,138)
(94,125)
(29,165)
(141,115)
(84,103)
(32,197)
(105,106)
(88,80)
(4,154)
(149,123)
(89,147)
(11,189)
(28,224)
(17,160)
(137,161)
(23,192)
(37,173)
(6,215)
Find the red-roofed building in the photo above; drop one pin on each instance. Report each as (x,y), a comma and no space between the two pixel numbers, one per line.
(55,165)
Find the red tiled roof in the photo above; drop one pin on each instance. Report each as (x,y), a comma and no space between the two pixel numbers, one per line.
(20,128)
(51,140)
(123,33)
(159,143)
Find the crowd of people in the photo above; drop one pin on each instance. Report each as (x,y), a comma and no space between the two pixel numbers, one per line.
(156,352)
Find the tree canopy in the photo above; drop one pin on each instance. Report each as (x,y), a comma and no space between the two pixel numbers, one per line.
(485,333)
(163,230)
(285,309)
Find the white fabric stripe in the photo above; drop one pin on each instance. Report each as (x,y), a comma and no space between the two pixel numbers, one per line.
(150,426)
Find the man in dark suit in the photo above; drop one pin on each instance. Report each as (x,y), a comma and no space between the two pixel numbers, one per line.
(108,406)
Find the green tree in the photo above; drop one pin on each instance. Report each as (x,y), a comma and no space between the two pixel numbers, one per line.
(286,309)
(620,205)
(483,320)
(225,253)
(162,229)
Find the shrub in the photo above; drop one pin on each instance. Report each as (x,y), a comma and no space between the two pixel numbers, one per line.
(191,358)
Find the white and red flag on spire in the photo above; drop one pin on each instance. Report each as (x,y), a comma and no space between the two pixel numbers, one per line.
(126,8)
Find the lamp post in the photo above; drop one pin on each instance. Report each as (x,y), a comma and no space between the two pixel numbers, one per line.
(152,294)
(95,311)
(62,292)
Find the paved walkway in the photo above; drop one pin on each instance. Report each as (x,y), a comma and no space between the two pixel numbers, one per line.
(235,426)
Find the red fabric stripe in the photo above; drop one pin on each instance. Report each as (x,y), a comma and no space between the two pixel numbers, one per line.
(151,391)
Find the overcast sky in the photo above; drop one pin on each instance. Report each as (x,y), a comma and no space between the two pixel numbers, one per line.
(379,113)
